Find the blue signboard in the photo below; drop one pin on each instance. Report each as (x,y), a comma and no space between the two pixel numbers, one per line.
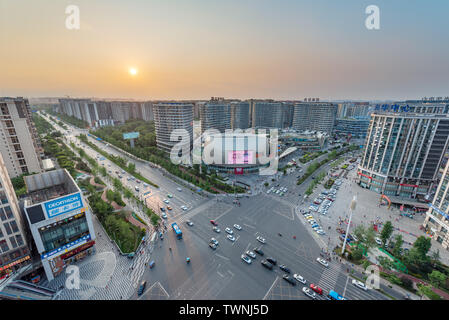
(66,247)
(62,205)
(130,135)
(439,211)
(392,108)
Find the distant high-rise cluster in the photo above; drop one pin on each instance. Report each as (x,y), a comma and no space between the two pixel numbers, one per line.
(98,113)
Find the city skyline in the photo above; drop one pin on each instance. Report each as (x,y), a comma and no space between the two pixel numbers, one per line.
(286,50)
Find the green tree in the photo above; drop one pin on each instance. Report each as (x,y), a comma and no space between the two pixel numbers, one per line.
(131,167)
(386,233)
(437,278)
(398,241)
(154,219)
(422,245)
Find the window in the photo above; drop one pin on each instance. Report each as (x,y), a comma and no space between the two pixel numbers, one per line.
(2,215)
(7,228)
(19,240)
(4,246)
(1,233)
(14,226)
(8,212)
(3,198)
(13,242)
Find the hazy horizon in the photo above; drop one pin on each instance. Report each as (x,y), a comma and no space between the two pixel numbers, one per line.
(197,49)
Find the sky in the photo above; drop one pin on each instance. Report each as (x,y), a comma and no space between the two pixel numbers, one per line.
(196,49)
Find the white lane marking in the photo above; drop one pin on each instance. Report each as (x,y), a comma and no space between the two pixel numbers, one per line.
(269,290)
(223,257)
(253,227)
(347,280)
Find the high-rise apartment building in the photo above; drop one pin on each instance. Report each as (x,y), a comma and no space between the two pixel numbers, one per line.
(354,110)
(215,114)
(315,116)
(240,115)
(169,116)
(19,142)
(404,148)
(14,252)
(267,114)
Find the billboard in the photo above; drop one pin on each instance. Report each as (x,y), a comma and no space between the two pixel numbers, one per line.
(130,135)
(62,205)
(240,157)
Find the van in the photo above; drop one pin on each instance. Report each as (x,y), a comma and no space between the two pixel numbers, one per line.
(137,188)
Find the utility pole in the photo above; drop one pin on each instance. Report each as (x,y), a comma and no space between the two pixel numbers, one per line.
(352,208)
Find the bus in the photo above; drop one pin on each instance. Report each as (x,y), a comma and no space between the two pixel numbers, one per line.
(177,230)
(335,296)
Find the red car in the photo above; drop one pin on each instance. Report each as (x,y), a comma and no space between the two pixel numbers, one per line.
(315,288)
(214,223)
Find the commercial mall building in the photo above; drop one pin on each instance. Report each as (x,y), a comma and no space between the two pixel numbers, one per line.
(60,222)
(404,148)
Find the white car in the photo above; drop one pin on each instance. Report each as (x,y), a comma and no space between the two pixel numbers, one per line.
(359,284)
(230,238)
(166,201)
(378,241)
(229,231)
(251,254)
(216,229)
(184,208)
(322,262)
(238,227)
(299,278)
(164,216)
(309,292)
(179,189)
(260,239)
(246,259)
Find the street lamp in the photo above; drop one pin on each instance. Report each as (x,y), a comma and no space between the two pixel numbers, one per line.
(352,208)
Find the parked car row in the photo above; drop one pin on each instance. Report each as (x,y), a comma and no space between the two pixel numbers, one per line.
(315,226)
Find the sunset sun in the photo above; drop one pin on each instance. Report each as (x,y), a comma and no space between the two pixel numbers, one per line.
(133,71)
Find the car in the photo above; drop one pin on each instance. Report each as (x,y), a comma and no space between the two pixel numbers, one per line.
(229,231)
(266,264)
(166,201)
(163,209)
(315,225)
(284,268)
(238,227)
(260,239)
(164,216)
(128,178)
(137,181)
(216,229)
(145,184)
(169,208)
(179,189)
(184,208)
(136,188)
(246,259)
(189,223)
(378,241)
(212,246)
(359,284)
(231,238)
(299,278)
(123,172)
(214,241)
(271,260)
(251,254)
(213,222)
(322,262)
(289,280)
(258,251)
(309,292)
(142,286)
(315,288)
(170,195)
(312,222)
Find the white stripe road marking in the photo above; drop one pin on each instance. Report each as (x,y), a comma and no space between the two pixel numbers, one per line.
(249,226)
(223,257)
(271,288)
(344,291)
